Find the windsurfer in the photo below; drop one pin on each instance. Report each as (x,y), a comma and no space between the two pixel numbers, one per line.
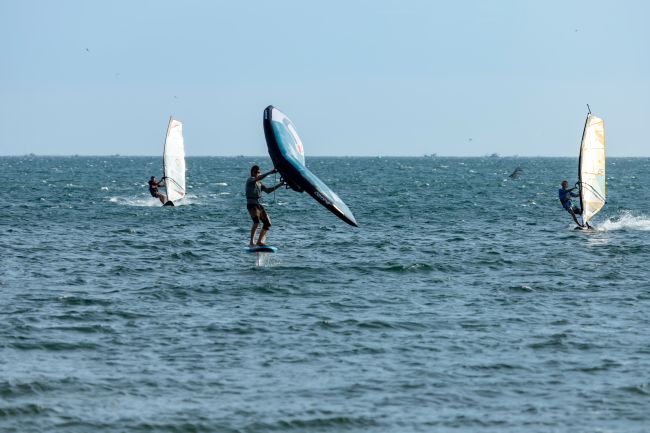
(153,189)
(565,198)
(254,188)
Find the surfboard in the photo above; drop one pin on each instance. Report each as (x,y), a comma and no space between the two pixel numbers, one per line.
(174,161)
(287,153)
(169,203)
(264,249)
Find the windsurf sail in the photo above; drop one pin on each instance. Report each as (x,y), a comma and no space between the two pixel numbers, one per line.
(174,161)
(591,172)
(288,156)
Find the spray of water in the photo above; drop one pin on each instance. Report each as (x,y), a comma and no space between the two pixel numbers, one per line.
(264,260)
(626,221)
(151,201)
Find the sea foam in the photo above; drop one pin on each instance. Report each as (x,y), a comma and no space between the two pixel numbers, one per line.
(626,221)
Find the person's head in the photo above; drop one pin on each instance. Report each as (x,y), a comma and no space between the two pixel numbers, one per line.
(152,178)
(255,170)
(565,184)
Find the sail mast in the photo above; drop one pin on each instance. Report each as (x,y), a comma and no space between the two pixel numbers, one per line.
(582,140)
(169,124)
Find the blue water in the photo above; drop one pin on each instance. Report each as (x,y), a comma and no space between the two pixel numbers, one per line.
(465,301)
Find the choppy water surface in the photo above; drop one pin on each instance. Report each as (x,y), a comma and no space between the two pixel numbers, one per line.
(465,301)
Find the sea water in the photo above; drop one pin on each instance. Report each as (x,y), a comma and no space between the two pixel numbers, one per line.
(464,302)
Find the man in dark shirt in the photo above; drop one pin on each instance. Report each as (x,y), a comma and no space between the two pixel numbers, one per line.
(254,188)
(153,189)
(565,198)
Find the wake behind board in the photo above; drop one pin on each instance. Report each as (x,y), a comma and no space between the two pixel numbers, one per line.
(262,249)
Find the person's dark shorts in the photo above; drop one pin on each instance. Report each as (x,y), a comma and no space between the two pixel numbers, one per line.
(576,210)
(257,213)
(153,192)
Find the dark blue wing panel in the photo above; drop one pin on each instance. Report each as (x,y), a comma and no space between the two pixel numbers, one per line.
(287,153)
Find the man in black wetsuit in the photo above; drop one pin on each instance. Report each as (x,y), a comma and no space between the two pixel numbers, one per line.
(254,188)
(565,198)
(153,189)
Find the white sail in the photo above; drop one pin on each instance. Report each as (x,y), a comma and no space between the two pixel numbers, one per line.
(592,168)
(174,161)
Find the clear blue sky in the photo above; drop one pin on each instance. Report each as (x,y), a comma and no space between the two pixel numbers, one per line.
(375,77)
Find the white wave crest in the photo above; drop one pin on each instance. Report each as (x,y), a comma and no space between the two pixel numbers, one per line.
(134,201)
(152,201)
(626,221)
(188,199)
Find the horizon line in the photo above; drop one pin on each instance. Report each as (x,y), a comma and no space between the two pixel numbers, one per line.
(429,156)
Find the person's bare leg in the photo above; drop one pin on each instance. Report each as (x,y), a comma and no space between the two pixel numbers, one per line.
(253,231)
(575,218)
(261,240)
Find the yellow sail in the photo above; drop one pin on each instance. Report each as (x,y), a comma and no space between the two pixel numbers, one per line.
(592,168)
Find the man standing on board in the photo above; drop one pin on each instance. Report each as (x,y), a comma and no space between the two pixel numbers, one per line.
(254,188)
(565,198)
(153,189)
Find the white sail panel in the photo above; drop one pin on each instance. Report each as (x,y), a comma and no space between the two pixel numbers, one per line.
(174,161)
(592,168)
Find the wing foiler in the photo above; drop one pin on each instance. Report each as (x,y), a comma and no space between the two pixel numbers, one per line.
(591,172)
(287,153)
(174,162)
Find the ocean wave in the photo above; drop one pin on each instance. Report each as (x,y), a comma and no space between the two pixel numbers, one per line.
(372,325)
(20,388)
(29,409)
(152,201)
(54,346)
(79,301)
(399,268)
(639,390)
(131,201)
(315,424)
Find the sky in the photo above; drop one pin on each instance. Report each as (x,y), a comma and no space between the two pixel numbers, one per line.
(356,77)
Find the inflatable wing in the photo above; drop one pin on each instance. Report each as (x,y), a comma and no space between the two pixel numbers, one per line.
(287,153)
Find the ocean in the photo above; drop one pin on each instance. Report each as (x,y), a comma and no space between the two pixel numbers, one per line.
(464,302)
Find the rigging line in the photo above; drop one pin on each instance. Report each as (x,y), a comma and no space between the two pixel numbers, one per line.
(177,184)
(593,190)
